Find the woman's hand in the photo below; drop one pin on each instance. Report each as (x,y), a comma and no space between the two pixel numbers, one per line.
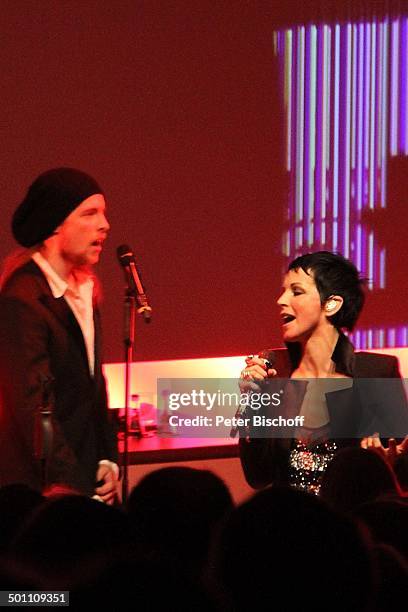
(389,453)
(255,370)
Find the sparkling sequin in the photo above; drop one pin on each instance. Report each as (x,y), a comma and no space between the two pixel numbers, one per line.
(307,464)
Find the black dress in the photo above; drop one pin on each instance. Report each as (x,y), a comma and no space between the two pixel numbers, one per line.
(370,404)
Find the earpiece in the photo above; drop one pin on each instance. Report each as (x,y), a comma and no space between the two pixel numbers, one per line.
(331,305)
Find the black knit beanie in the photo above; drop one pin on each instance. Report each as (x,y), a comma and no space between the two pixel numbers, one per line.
(49,200)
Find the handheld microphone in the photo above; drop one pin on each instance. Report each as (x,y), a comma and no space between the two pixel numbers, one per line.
(127,260)
(268,356)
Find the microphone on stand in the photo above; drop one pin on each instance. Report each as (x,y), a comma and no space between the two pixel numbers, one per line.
(128,262)
(268,356)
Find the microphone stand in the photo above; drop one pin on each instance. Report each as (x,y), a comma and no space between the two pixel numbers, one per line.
(133,293)
(129,340)
(129,337)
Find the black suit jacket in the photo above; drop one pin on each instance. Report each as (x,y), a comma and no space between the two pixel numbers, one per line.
(370,405)
(40,337)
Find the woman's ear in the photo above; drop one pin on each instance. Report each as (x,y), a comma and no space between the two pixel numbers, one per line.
(333,305)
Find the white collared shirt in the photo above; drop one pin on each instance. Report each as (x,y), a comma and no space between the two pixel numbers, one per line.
(78,298)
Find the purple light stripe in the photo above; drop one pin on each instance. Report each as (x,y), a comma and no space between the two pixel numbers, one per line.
(391,337)
(378,108)
(370,245)
(299,237)
(347,143)
(394,88)
(384,131)
(354,64)
(328,54)
(378,115)
(312,136)
(343,103)
(358,246)
(366,130)
(325,188)
(403,144)
(343,136)
(383,253)
(320,133)
(353,131)
(406,85)
(402,336)
(289,78)
(300,126)
(360,98)
(336,86)
(363,250)
(293,138)
(306,142)
(371,171)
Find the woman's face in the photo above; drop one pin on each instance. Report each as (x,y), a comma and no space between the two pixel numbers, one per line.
(301,310)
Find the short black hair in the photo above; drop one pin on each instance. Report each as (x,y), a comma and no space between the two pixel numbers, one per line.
(335,275)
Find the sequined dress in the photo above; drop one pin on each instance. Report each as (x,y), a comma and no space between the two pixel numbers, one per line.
(308,462)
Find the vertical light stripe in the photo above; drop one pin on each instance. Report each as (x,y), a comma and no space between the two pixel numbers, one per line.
(394,88)
(360,120)
(367,48)
(382,268)
(370,259)
(287,243)
(288,93)
(371,189)
(325,128)
(299,237)
(384,111)
(358,247)
(336,86)
(275,39)
(346,212)
(354,97)
(406,90)
(404,126)
(391,337)
(312,133)
(300,123)
(335,235)
(328,90)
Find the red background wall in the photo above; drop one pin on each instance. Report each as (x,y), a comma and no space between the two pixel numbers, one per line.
(174,107)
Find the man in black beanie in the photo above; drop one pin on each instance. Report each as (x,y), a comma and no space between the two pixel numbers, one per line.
(50,342)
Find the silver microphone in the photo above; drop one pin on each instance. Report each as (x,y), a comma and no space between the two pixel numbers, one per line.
(268,356)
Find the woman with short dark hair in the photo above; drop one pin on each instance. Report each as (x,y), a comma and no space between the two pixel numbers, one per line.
(325,386)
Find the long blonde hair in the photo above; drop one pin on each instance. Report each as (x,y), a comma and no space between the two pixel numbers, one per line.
(17,258)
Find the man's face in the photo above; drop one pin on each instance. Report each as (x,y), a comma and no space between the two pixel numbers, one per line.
(301,310)
(80,237)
